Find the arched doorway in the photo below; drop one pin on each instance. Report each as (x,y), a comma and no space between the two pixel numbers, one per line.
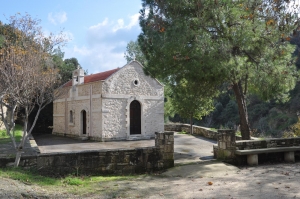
(135,117)
(83,122)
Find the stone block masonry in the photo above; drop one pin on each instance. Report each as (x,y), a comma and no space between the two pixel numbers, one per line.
(197,130)
(116,162)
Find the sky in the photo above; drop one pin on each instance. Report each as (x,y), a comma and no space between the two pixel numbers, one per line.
(98,30)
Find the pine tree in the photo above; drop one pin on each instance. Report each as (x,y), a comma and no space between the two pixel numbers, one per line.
(245,44)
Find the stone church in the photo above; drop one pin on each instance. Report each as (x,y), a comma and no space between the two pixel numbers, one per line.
(119,104)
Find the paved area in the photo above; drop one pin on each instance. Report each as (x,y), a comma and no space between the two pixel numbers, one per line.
(187,148)
(48,143)
(191,149)
(7,149)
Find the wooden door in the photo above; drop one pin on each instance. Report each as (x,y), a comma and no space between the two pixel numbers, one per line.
(135,117)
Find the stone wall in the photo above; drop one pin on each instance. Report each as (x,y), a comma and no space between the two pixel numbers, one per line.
(267,143)
(227,145)
(197,130)
(120,161)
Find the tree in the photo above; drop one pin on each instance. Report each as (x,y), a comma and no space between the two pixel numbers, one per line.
(184,98)
(190,100)
(65,67)
(133,52)
(244,44)
(27,75)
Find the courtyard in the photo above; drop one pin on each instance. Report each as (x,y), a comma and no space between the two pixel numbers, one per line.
(187,148)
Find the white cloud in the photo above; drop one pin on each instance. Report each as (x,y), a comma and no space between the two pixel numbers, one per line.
(81,51)
(99,25)
(57,18)
(106,44)
(134,20)
(68,35)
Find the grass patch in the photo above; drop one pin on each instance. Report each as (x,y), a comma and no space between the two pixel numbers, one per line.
(238,133)
(4,138)
(183,132)
(27,176)
(213,129)
(80,185)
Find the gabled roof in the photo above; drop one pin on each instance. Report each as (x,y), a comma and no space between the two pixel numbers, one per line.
(95,77)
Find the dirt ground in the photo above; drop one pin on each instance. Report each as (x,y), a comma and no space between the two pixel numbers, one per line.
(196,175)
(265,181)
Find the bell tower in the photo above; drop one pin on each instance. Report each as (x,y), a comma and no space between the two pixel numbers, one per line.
(78,76)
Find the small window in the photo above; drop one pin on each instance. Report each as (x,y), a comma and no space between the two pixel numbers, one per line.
(136,82)
(71,116)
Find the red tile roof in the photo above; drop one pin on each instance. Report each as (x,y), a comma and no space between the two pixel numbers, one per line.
(95,77)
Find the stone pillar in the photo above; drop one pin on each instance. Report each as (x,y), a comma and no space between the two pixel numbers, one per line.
(226,144)
(289,156)
(252,160)
(164,141)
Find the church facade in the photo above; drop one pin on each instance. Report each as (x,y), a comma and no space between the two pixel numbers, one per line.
(119,104)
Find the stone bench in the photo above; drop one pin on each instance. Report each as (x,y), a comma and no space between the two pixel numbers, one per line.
(252,154)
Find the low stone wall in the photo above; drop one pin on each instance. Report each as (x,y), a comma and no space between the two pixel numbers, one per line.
(227,145)
(121,161)
(197,130)
(267,143)
(174,127)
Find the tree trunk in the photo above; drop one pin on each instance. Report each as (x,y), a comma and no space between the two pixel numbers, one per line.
(18,158)
(20,148)
(26,134)
(191,124)
(240,98)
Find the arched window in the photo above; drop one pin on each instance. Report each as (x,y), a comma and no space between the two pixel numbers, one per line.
(71,116)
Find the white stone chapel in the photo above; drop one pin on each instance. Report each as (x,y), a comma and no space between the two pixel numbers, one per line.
(119,104)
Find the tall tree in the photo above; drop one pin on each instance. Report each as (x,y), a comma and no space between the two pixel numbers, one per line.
(27,75)
(243,43)
(190,100)
(134,52)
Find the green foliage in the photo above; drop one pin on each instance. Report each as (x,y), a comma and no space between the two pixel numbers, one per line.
(230,112)
(66,67)
(18,134)
(134,52)
(296,128)
(27,176)
(245,44)
(169,111)
(183,132)
(190,100)
(31,177)
(73,181)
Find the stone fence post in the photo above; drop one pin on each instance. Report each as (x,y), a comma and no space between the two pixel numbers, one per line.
(164,141)
(226,144)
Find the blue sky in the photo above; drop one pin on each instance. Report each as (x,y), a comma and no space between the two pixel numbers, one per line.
(99,29)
